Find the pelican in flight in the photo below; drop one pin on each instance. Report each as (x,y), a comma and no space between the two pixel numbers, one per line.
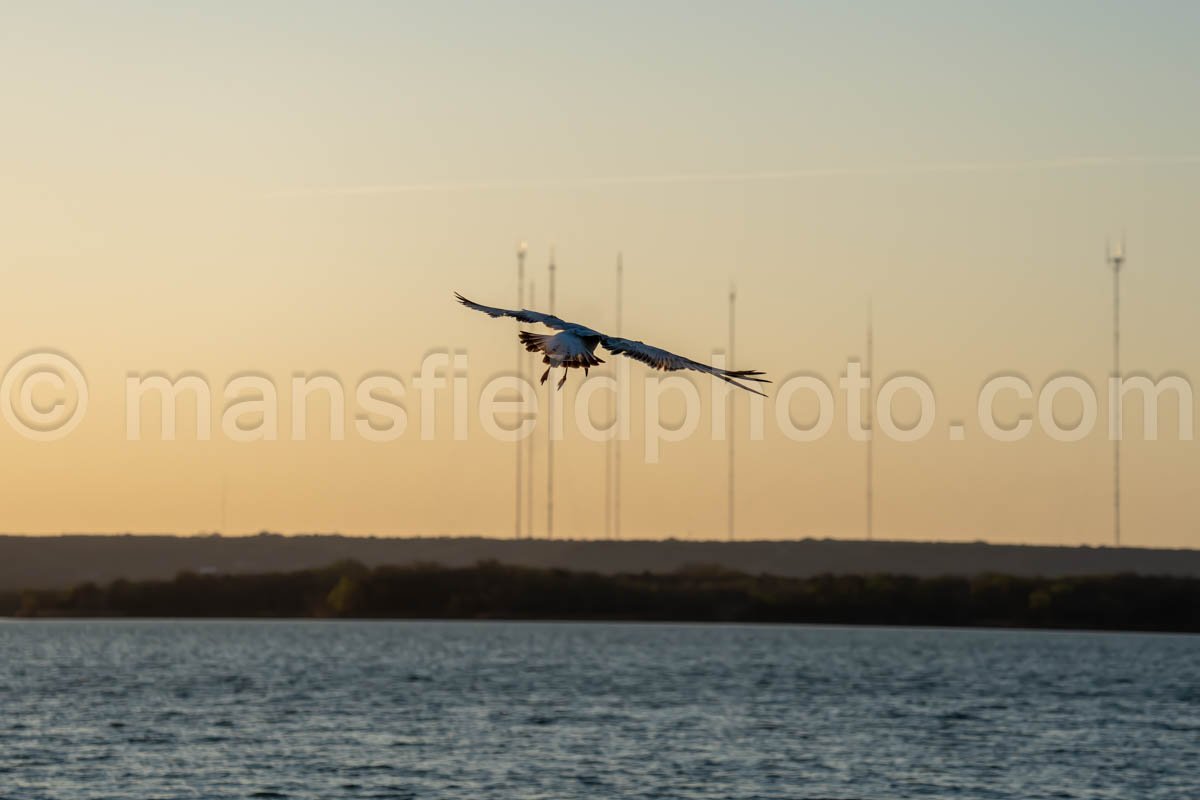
(575,346)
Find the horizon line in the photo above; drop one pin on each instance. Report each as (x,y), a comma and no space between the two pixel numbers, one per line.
(499,537)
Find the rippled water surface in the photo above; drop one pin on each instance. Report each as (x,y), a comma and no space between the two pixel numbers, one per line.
(472,710)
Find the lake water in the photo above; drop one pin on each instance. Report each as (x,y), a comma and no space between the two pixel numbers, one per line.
(158,709)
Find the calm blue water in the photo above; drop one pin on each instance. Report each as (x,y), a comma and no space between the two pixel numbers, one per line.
(464,710)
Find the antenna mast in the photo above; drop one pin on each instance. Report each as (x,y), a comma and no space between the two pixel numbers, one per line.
(550,427)
(615,442)
(732,412)
(1116,260)
(608,489)
(521,250)
(532,438)
(612,457)
(870,421)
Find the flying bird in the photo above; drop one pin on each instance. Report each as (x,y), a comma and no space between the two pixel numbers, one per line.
(575,346)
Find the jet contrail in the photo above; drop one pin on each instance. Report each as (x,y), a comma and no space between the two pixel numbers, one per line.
(1081,162)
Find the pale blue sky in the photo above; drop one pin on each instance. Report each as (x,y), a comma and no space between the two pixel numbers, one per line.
(565,90)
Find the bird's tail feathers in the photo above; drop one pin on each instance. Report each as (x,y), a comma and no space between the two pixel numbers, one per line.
(584,360)
(534,342)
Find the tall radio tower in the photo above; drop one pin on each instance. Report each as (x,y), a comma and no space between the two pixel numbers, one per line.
(617,441)
(521,250)
(1116,260)
(608,481)
(870,422)
(612,460)
(532,437)
(732,411)
(550,428)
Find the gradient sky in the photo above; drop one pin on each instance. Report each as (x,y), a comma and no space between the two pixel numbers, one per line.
(299,187)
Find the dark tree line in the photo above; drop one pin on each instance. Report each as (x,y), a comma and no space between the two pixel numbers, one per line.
(711,594)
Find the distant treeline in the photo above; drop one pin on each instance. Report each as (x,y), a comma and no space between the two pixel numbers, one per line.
(703,594)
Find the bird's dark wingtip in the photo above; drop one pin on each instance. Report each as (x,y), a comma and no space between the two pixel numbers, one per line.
(750,375)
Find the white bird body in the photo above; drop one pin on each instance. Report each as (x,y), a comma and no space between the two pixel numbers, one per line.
(574,346)
(567,349)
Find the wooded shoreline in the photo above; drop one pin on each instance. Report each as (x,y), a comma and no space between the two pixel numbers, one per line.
(490,590)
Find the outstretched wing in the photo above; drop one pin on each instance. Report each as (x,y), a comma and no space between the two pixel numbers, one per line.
(523,315)
(658,358)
